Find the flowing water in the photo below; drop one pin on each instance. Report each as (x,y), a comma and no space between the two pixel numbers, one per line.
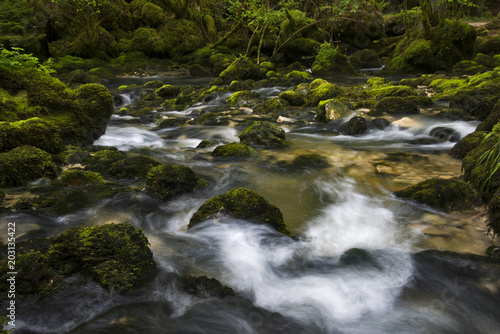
(355,266)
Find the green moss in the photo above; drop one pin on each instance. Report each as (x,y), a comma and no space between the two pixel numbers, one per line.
(243,98)
(241,203)
(320,90)
(331,109)
(25,164)
(212,118)
(101,161)
(168,91)
(305,162)
(116,256)
(263,134)
(182,37)
(419,55)
(132,167)
(233,150)
(396,105)
(242,69)
(398,65)
(293,98)
(167,181)
(299,76)
(447,195)
(272,105)
(477,100)
(34,132)
(79,177)
(152,15)
(377,82)
(35,280)
(330,61)
(447,87)
(147,40)
(491,121)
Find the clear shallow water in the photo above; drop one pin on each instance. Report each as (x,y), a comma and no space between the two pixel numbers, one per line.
(352,269)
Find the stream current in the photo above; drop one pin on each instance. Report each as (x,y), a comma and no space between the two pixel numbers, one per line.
(363,260)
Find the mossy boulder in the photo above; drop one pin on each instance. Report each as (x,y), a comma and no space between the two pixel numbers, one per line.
(101,160)
(168,91)
(36,279)
(25,164)
(117,256)
(272,105)
(494,215)
(78,177)
(242,69)
(300,50)
(246,85)
(305,162)
(330,61)
(419,55)
(396,105)
(241,203)
(491,120)
(167,181)
(390,90)
(233,150)
(364,59)
(356,126)
(263,134)
(132,167)
(152,15)
(332,109)
(297,77)
(243,98)
(293,98)
(204,287)
(444,194)
(467,144)
(320,90)
(33,132)
(181,37)
(477,100)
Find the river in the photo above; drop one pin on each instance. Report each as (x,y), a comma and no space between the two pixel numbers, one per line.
(362,261)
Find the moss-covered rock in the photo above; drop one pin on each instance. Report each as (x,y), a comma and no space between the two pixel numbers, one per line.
(477,100)
(167,181)
(33,132)
(152,15)
(332,109)
(293,98)
(396,105)
(241,203)
(263,134)
(305,162)
(364,59)
(272,105)
(297,77)
(25,164)
(204,287)
(444,194)
(243,98)
(181,37)
(242,69)
(146,40)
(132,167)
(79,177)
(300,50)
(356,126)
(101,160)
(419,55)
(330,61)
(233,150)
(467,144)
(491,120)
(320,90)
(494,215)
(117,256)
(37,279)
(246,85)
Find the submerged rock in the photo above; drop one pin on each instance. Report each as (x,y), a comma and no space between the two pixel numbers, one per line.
(444,194)
(304,162)
(233,150)
(166,181)
(204,287)
(241,203)
(357,126)
(263,134)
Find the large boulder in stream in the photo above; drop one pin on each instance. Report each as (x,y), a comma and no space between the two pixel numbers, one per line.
(167,181)
(396,105)
(263,134)
(242,69)
(241,203)
(444,194)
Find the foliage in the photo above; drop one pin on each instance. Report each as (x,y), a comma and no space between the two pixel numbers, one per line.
(15,59)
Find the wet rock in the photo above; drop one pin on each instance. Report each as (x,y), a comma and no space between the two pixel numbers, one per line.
(444,194)
(272,105)
(233,150)
(445,134)
(78,177)
(356,126)
(197,70)
(305,162)
(241,203)
(331,110)
(320,90)
(204,287)
(132,167)
(293,98)
(25,164)
(167,181)
(263,134)
(168,91)
(116,256)
(477,101)
(380,123)
(467,144)
(396,105)
(242,69)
